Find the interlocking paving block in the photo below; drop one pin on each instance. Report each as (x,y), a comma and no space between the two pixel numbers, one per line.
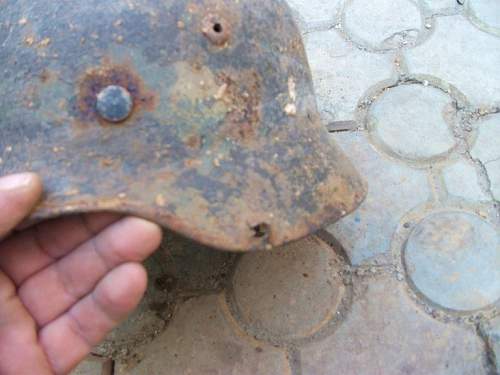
(291,292)
(315,12)
(462,55)
(394,189)
(485,14)
(383,24)
(342,73)
(487,150)
(492,333)
(487,147)
(94,365)
(385,334)
(453,259)
(462,181)
(201,340)
(409,120)
(437,6)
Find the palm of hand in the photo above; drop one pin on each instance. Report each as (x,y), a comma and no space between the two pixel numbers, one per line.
(66,283)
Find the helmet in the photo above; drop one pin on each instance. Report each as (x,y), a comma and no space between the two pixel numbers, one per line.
(199,115)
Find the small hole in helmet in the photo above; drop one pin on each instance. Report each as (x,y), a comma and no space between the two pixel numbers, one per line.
(218,28)
(261,230)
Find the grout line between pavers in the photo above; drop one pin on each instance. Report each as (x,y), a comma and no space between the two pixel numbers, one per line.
(439,192)
(295,361)
(484,180)
(490,352)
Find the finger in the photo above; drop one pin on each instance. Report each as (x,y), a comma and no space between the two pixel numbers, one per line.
(72,336)
(74,276)
(18,335)
(18,194)
(28,252)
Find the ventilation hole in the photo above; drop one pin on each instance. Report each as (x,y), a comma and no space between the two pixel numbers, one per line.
(218,28)
(261,230)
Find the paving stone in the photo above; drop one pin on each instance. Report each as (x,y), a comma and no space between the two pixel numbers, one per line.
(385,334)
(462,55)
(368,231)
(485,12)
(437,6)
(201,340)
(487,151)
(409,120)
(289,293)
(492,332)
(315,12)
(462,181)
(94,365)
(342,73)
(384,23)
(452,258)
(486,147)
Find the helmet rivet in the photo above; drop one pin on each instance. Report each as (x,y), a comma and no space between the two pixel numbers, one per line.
(114,104)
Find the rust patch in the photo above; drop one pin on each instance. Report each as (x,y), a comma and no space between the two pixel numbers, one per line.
(46,76)
(244,97)
(194,141)
(96,79)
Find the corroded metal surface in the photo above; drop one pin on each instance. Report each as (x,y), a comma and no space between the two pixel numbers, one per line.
(223,142)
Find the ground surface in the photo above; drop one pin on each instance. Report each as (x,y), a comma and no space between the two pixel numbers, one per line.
(411,285)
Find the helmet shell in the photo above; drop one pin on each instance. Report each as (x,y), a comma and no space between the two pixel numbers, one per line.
(220,140)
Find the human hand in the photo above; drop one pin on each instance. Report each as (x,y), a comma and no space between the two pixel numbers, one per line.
(64,284)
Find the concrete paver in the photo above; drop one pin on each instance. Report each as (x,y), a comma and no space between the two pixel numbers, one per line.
(320,15)
(94,365)
(289,293)
(343,71)
(367,233)
(486,150)
(452,258)
(409,120)
(387,24)
(461,179)
(201,340)
(441,6)
(384,334)
(461,55)
(484,14)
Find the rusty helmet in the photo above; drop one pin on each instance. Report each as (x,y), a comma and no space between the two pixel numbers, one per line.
(199,115)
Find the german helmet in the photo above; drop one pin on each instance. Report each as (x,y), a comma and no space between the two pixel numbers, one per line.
(197,114)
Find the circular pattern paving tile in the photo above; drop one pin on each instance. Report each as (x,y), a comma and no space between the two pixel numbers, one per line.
(387,24)
(290,293)
(414,121)
(453,259)
(485,14)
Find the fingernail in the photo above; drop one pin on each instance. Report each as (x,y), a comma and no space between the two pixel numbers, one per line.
(16,181)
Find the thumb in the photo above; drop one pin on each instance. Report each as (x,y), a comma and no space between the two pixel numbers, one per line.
(18,195)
